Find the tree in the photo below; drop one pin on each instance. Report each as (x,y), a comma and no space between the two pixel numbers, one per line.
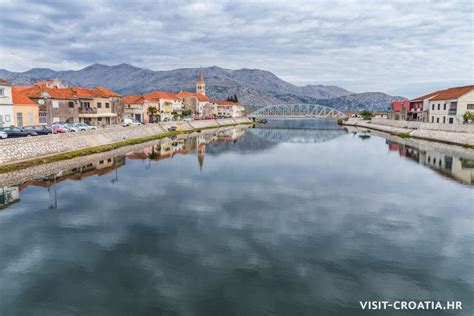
(468,117)
(187,113)
(366,115)
(152,111)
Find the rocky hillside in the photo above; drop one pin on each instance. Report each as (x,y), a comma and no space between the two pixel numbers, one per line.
(254,87)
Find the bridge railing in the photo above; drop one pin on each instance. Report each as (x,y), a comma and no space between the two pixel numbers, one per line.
(297,110)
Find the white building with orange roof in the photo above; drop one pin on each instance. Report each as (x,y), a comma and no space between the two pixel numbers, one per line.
(138,107)
(448,106)
(168,103)
(229,109)
(6,104)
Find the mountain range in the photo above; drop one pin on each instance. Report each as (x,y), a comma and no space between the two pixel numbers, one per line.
(254,87)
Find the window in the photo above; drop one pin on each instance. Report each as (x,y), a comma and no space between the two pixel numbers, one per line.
(437,120)
(2,92)
(451,120)
(444,118)
(432,118)
(470,106)
(19,119)
(444,107)
(55,104)
(55,119)
(43,117)
(439,106)
(71,104)
(99,105)
(432,107)
(7,118)
(107,105)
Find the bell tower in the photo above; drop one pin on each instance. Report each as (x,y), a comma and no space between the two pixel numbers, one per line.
(201,84)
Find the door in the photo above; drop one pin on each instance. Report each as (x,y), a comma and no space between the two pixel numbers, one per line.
(19,119)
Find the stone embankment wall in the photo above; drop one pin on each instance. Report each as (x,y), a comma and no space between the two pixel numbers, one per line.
(43,170)
(19,149)
(465,128)
(461,137)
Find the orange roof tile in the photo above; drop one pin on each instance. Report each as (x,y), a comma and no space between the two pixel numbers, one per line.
(452,93)
(200,97)
(20,98)
(3,81)
(107,92)
(160,95)
(133,99)
(426,96)
(226,103)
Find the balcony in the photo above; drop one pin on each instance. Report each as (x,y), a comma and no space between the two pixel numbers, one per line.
(452,112)
(87,111)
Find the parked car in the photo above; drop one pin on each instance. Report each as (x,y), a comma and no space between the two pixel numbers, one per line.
(172,128)
(84,127)
(3,135)
(71,127)
(188,119)
(58,129)
(39,129)
(13,132)
(131,122)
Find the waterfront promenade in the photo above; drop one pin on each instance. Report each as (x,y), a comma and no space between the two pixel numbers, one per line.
(34,148)
(458,135)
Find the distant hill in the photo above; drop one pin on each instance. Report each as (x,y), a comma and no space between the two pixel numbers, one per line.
(253,87)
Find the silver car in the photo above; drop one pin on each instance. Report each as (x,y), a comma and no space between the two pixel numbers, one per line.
(85,127)
(3,135)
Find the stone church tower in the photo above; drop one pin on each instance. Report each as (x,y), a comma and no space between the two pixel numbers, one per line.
(201,84)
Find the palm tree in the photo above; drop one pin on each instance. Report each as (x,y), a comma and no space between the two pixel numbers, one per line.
(152,112)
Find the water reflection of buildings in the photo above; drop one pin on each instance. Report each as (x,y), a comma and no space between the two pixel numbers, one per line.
(458,168)
(168,148)
(11,194)
(165,149)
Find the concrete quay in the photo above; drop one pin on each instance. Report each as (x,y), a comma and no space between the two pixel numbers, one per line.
(460,135)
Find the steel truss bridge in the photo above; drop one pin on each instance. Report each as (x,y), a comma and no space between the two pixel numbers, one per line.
(298,111)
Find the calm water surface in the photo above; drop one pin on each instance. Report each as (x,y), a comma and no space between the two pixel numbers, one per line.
(291,218)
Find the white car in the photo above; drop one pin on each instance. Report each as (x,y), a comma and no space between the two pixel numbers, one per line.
(130,122)
(188,119)
(3,135)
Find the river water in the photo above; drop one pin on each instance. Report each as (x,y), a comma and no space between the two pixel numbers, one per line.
(290,218)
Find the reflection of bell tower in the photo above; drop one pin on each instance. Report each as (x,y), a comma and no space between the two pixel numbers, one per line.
(201,84)
(201,152)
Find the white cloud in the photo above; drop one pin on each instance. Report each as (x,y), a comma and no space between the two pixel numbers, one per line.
(360,45)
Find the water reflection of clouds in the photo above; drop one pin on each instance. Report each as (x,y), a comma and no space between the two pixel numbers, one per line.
(317,224)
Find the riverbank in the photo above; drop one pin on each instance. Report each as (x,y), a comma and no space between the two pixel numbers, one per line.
(21,153)
(465,139)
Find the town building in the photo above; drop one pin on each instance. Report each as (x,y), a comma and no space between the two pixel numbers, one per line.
(6,104)
(228,108)
(419,107)
(399,110)
(448,106)
(199,104)
(25,110)
(169,104)
(95,106)
(142,108)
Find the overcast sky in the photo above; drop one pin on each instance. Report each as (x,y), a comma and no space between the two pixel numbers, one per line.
(405,47)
